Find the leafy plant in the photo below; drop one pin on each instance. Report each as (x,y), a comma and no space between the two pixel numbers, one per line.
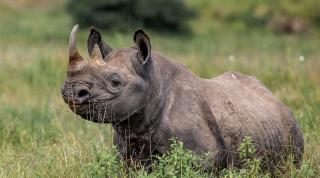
(107,163)
(246,148)
(179,162)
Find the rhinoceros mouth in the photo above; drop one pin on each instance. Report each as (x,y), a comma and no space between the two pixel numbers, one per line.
(89,112)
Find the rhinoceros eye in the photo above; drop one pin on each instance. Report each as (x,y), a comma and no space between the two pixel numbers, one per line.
(115,83)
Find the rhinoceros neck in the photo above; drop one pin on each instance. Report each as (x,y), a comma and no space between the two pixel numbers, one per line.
(162,74)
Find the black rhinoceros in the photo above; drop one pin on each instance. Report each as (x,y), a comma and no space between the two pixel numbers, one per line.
(149,99)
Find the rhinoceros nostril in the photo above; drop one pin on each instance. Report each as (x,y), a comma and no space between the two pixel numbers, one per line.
(83,93)
(82,96)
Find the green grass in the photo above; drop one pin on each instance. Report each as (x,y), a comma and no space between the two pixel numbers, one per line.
(41,137)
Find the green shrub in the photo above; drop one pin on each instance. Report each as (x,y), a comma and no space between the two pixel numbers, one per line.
(179,162)
(251,164)
(246,149)
(107,163)
(168,15)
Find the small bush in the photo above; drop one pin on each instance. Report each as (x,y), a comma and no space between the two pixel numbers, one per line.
(246,149)
(180,162)
(168,15)
(107,163)
(251,164)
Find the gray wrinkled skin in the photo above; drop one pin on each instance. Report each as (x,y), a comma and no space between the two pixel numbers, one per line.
(149,99)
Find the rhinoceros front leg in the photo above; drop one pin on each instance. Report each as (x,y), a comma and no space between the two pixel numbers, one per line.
(135,152)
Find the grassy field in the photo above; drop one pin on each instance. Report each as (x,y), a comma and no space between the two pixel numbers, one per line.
(39,135)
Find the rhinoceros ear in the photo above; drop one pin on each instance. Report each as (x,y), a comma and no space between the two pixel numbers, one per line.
(95,38)
(142,43)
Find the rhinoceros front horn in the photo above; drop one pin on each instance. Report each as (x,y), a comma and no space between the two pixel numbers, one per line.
(76,62)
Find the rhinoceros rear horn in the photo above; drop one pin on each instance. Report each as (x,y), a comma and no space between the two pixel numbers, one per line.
(95,38)
(142,43)
(96,56)
(75,60)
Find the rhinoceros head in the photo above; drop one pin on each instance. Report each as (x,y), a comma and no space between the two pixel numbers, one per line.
(113,84)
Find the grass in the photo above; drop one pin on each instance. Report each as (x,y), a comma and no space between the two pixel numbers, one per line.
(41,137)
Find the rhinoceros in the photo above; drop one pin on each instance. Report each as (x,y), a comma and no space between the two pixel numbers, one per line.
(150,99)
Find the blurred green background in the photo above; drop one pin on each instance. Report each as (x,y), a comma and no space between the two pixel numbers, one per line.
(276,41)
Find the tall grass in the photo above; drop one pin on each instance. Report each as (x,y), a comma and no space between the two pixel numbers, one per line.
(41,137)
